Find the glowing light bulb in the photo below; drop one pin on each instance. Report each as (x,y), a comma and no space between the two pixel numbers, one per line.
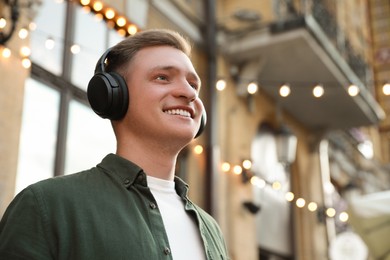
(284,90)
(318,91)
(3,23)
(109,14)
(121,21)
(132,29)
(26,63)
(312,206)
(386,89)
(289,196)
(23,33)
(300,203)
(252,88)
(225,167)
(220,85)
(353,90)
(6,53)
(97,6)
(198,149)
(237,169)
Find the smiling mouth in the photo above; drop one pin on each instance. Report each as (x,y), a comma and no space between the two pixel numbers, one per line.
(180,112)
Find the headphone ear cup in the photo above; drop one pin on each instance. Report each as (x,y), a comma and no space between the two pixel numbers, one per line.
(203,122)
(108,95)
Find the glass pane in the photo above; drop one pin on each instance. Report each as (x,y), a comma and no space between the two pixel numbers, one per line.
(90,138)
(90,35)
(49,25)
(38,134)
(114,38)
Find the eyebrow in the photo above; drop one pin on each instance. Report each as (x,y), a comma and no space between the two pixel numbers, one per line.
(174,68)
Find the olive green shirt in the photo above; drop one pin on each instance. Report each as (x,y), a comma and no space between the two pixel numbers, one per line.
(107,212)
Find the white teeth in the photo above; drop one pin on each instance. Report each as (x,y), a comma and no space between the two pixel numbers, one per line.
(178,112)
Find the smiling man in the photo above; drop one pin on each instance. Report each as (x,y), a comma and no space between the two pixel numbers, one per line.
(131,205)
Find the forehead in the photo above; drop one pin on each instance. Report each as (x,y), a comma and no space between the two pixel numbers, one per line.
(162,56)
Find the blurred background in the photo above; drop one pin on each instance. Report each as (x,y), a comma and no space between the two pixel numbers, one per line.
(295,160)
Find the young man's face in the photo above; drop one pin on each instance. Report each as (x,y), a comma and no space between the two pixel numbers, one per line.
(163,88)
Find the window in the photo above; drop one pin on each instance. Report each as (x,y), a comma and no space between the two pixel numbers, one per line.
(38,134)
(60,133)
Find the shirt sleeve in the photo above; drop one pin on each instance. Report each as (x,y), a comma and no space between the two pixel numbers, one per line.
(22,229)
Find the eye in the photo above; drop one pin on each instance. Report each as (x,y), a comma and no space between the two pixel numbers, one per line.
(194,85)
(162,78)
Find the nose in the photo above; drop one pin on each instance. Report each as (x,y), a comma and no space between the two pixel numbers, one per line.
(187,91)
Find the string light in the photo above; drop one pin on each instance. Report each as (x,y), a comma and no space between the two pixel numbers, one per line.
(300,202)
(353,90)
(252,88)
(318,91)
(237,169)
(220,85)
(284,90)
(225,167)
(75,49)
(258,182)
(198,149)
(3,23)
(289,196)
(121,21)
(343,217)
(312,206)
(330,212)
(386,89)
(23,33)
(110,14)
(49,43)
(6,53)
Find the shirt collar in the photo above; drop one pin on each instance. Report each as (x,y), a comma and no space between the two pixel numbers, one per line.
(129,173)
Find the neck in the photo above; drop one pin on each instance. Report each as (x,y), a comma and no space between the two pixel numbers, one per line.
(155,159)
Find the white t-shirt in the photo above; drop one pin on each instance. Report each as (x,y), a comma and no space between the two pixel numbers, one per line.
(183,234)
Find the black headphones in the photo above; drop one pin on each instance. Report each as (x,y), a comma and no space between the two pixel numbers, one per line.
(108,94)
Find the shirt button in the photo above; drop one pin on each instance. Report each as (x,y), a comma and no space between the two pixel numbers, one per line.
(152,205)
(127,181)
(167,251)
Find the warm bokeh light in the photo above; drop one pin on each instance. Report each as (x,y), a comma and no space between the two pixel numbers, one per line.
(3,23)
(237,169)
(331,212)
(258,182)
(75,49)
(289,196)
(252,88)
(6,53)
(386,89)
(26,63)
(312,206)
(353,90)
(225,167)
(121,21)
(85,2)
(97,6)
(276,185)
(25,51)
(198,149)
(23,33)
(247,164)
(220,85)
(318,91)
(300,203)
(284,90)
(343,217)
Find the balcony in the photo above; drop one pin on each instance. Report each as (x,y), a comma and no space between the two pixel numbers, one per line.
(300,53)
